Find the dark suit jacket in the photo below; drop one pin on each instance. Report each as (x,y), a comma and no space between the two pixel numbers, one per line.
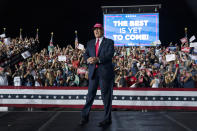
(105,54)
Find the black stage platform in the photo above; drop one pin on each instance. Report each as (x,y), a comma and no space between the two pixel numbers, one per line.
(121,121)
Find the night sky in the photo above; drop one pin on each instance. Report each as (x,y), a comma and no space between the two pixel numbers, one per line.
(64,17)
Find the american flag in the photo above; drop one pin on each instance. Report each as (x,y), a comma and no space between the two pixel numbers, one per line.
(75,97)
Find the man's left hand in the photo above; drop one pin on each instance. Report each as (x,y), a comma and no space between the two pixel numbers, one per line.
(94,60)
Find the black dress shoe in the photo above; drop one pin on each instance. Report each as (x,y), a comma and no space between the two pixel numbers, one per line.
(83,122)
(104,123)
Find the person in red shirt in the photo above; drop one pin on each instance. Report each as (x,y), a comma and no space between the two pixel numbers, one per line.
(130,79)
(75,62)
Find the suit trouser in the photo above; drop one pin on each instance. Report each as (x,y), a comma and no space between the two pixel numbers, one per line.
(106,94)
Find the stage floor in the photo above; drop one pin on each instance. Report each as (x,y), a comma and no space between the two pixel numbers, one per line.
(121,121)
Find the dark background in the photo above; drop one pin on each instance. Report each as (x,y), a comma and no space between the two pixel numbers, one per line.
(64,17)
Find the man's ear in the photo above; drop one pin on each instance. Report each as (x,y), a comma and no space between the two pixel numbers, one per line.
(102,32)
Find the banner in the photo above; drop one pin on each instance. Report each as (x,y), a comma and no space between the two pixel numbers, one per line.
(62,58)
(81,70)
(170,57)
(81,47)
(193,57)
(194,44)
(183,40)
(172,48)
(2,36)
(195,50)
(185,49)
(26,54)
(132,29)
(75,97)
(192,38)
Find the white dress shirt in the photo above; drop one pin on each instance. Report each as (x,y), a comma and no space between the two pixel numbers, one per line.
(100,40)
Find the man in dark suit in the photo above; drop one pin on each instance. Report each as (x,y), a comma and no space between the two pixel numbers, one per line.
(98,55)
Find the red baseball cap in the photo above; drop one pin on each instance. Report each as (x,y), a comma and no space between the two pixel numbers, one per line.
(98,25)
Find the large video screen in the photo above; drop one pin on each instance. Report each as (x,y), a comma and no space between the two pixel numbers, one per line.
(132,29)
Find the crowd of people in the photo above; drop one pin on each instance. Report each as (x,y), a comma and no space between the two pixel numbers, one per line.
(135,67)
(44,69)
(149,67)
(9,48)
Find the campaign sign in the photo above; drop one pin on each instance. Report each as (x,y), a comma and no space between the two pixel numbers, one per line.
(170,57)
(61,58)
(132,29)
(185,49)
(172,48)
(26,54)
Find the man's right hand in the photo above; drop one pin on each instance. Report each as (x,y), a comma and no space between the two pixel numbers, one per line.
(90,60)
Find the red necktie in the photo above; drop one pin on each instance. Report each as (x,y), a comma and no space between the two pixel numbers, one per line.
(96,49)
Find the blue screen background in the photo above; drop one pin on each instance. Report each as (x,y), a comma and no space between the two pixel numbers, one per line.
(152,28)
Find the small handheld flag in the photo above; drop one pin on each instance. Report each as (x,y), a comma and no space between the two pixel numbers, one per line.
(51,41)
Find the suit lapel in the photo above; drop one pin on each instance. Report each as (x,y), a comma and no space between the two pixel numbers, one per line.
(101,46)
(93,48)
